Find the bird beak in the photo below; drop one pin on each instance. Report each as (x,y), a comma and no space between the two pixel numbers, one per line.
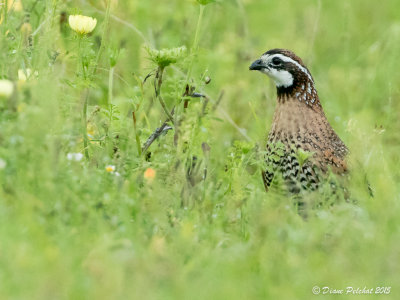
(257,65)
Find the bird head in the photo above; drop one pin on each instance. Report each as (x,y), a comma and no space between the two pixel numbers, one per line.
(284,67)
(291,76)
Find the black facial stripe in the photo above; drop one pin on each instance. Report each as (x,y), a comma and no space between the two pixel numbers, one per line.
(287,66)
(272,66)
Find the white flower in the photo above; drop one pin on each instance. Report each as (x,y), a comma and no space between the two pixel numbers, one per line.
(23,75)
(6,88)
(82,24)
(74,156)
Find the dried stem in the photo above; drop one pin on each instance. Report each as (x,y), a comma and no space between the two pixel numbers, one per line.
(165,127)
(157,87)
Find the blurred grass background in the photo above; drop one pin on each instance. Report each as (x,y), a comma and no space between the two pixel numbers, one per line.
(71,230)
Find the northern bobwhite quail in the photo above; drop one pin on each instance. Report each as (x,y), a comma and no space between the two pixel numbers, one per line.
(302,145)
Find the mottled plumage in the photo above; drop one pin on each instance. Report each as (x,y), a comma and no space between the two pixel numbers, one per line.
(299,126)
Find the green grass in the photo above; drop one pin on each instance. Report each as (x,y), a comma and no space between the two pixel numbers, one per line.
(72,230)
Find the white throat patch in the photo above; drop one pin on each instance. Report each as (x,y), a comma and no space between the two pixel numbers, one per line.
(282,77)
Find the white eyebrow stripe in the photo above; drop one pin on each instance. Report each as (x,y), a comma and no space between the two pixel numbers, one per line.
(288,59)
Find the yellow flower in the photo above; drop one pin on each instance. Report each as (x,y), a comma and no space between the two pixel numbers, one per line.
(82,24)
(6,88)
(110,169)
(150,174)
(15,5)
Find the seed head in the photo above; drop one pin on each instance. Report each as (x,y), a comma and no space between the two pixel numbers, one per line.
(165,57)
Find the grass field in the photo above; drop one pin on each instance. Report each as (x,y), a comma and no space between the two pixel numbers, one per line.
(107,221)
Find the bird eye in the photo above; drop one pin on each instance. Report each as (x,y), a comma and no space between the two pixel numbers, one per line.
(276,61)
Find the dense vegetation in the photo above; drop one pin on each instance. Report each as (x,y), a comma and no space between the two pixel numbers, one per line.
(85,213)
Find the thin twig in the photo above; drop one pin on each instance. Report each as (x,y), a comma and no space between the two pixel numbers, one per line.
(222,111)
(163,128)
(157,89)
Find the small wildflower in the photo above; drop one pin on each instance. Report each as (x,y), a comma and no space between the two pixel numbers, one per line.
(165,57)
(150,174)
(110,169)
(74,156)
(6,88)
(3,164)
(82,24)
(24,75)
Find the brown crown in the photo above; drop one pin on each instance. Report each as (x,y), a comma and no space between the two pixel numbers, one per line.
(287,53)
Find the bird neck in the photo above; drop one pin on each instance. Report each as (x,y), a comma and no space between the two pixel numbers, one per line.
(302,91)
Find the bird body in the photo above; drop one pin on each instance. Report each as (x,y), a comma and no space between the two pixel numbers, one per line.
(302,145)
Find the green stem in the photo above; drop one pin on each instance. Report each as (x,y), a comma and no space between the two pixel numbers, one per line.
(110,90)
(195,42)
(80,59)
(5,13)
(158,83)
(103,36)
(85,97)
(138,142)
(84,100)
(199,21)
